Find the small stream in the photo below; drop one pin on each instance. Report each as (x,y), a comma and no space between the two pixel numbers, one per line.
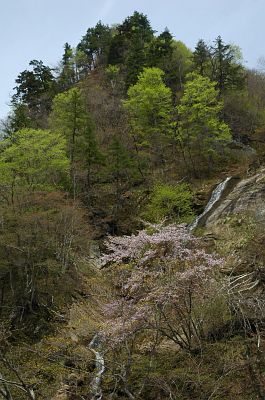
(95,347)
(95,344)
(215,197)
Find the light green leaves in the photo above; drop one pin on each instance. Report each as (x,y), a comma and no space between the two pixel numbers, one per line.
(149,104)
(171,202)
(34,158)
(199,112)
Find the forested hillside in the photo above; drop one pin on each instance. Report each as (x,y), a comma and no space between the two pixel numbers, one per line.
(108,288)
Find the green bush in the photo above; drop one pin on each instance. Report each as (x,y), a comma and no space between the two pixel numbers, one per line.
(173,202)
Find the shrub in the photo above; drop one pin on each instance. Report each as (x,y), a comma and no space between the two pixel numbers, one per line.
(173,202)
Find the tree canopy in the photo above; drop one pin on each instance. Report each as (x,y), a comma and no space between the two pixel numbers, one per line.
(149,104)
(199,127)
(34,159)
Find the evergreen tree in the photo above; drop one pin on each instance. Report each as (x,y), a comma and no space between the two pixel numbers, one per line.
(130,45)
(226,70)
(35,88)
(161,49)
(117,49)
(17,119)
(201,58)
(67,76)
(95,44)
(135,62)
(68,54)
(137,25)
(91,155)
(121,170)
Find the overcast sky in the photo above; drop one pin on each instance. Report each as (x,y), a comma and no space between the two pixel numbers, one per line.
(38,29)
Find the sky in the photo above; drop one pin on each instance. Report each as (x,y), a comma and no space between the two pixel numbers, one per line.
(38,29)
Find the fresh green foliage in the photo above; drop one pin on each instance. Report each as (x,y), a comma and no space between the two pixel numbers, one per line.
(179,67)
(69,117)
(130,125)
(115,80)
(149,106)
(199,110)
(34,159)
(200,129)
(173,57)
(112,72)
(172,202)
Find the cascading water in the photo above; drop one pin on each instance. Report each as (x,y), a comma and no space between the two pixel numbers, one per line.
(215,197)
(94,346)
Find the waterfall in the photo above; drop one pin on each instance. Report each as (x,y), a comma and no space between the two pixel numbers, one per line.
(94,346)
(215,197)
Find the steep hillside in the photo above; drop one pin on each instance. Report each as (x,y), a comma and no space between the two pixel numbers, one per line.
(132,222)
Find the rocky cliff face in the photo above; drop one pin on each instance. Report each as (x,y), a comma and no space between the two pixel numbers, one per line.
(246,195)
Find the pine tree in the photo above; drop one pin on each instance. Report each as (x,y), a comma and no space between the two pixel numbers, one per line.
(67,76)
(95,44)
(130,46)
(160,50)
(201,57)
(226,71)
(35,89)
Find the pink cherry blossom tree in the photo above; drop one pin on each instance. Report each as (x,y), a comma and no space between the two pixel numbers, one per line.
(166,283)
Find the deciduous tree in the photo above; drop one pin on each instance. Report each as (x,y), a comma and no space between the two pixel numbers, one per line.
(167,284)
(70,117)
(200,129)
(33,159)
(149,106)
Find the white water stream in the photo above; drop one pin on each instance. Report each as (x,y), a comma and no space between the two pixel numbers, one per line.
(95,344)
(95,347)
(216,195)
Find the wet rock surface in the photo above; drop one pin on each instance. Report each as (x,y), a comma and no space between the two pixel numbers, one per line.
(247,195)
